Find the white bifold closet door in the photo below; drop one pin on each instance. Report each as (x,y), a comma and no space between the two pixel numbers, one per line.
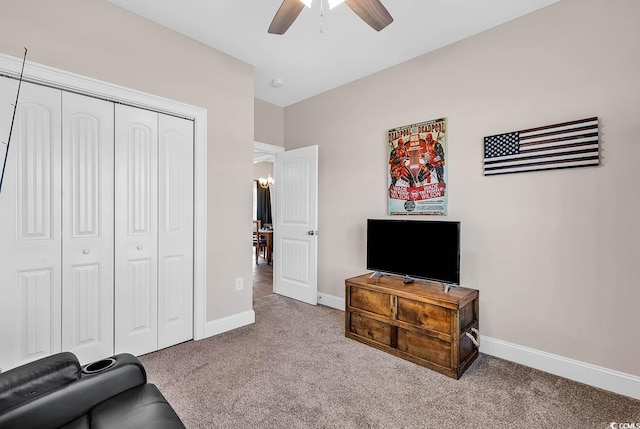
(87,226)
(175,230)
(57,227)
(30,227)
(154,230)
(96,227)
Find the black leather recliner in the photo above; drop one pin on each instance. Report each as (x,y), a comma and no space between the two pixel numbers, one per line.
(55,392)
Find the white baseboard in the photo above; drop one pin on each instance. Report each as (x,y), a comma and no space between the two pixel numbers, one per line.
(331,301)
(603,378)
(218,326)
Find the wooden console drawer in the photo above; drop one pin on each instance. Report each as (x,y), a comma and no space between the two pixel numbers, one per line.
(419,322)
(372,329)
(372,301)
(422,346)
(425,315)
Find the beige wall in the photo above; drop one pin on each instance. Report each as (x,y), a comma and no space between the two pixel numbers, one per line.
(269,123)
(554,254)
(263,169)
(97,39)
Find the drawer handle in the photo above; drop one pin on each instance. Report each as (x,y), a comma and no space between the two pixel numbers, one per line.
(139,247)
(86,251)
(474,340)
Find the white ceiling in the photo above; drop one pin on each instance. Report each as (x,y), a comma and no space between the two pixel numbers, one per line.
(310,62)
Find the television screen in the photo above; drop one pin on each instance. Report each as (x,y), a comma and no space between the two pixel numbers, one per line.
(414,248)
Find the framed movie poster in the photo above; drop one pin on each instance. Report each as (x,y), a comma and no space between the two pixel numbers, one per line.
(417,175)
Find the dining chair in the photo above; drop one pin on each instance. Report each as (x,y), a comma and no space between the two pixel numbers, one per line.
(259,241)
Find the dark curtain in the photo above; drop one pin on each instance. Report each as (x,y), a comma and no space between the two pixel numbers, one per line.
(264,205)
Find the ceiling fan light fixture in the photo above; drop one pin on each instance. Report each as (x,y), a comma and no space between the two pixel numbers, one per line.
(332,3)
(372,12)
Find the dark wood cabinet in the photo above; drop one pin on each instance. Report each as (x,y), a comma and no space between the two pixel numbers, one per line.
(419,322)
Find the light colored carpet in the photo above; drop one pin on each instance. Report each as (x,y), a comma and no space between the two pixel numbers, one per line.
(294,368)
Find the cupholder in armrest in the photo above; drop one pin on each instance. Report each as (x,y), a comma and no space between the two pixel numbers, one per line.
(99,366)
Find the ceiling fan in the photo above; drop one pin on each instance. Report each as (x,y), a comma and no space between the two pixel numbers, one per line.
(370,11)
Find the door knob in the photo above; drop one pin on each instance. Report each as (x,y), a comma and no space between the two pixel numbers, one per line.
(311,232)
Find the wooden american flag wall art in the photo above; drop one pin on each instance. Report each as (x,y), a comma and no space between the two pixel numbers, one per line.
(565,145)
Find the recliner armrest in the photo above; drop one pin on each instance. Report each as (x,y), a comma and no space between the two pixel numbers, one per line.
(67,403)
(37,378)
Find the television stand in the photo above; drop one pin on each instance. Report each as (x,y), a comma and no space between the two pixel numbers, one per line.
(419,322)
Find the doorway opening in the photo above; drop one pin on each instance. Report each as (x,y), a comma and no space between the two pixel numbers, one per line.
(264,182)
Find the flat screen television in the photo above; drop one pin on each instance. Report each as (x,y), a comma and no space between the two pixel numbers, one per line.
(420,249)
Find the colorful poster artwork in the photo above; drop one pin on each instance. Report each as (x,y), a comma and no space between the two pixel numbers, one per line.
(417,175)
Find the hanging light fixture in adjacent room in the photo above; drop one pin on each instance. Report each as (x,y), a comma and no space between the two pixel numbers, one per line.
(264,183)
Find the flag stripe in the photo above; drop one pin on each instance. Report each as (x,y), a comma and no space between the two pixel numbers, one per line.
(562,126)
(558,136)
(548,159)
(564,149)
(562,142)
(541,159)
(569,144)
(581,163)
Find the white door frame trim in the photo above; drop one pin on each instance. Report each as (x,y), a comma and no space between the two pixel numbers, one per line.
(67,81)
(267,148)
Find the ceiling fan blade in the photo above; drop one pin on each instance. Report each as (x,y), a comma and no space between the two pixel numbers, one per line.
(372,12)
(286,14)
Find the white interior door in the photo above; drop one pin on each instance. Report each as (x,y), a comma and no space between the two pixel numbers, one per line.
(87,216)
(136,230)
(30,232)
(175,231)
(296,229)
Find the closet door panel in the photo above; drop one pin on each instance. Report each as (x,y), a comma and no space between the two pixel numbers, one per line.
(87,204)
(175,231)
(30,233)
(136,230)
